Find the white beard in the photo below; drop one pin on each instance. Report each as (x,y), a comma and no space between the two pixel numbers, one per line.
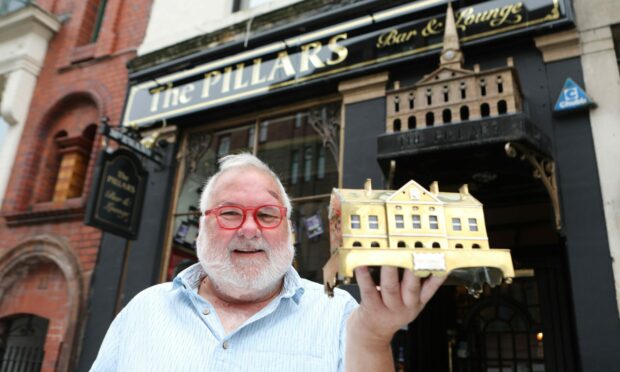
(250,281)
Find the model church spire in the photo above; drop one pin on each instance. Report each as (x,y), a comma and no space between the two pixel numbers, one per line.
(451,55)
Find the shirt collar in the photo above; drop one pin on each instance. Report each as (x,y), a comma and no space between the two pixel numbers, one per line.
(190,278)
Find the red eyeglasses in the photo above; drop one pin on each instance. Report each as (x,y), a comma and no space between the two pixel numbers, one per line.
(231,217)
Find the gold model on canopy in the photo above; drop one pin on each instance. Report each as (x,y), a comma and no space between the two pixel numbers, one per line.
(427,231)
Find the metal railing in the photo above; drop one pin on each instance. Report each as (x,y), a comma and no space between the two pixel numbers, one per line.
(21,359)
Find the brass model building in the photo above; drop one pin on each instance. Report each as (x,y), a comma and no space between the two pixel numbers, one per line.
(451,93)
(427,231)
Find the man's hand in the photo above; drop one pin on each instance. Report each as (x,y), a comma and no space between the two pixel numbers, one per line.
(370,327)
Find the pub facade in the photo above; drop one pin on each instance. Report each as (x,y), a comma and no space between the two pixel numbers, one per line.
(332,93)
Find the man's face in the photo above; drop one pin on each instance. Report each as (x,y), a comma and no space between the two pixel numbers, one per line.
(249,260)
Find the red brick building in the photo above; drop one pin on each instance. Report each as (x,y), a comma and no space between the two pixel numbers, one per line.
(47,254)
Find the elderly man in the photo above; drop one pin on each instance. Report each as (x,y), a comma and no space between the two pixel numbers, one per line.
(244,308)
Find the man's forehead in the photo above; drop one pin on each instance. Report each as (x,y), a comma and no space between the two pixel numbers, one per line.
(244,176)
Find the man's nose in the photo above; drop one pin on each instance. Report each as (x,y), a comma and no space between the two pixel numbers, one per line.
(249,228)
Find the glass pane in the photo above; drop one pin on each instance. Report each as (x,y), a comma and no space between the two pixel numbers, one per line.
(311,229)
(302,149)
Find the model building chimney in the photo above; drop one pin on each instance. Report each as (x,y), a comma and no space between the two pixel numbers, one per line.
(464,189)
(434,189)
(368,187)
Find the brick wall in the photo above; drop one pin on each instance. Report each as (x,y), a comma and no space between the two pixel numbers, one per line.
(79,83)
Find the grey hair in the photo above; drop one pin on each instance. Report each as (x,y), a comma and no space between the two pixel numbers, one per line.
(241,160)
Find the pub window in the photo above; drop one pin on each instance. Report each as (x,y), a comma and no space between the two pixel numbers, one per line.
(430,119)
(295,167)
(400,221)
(416,221)
(355,221)
(436,245)
(446,116)
(411,122)
(401,244)
(224,147)
(307,164)
(357,244)
(251,137)
(284,150)
(411,101)
(375,245)
(485,110)
(373,222)
(320,166)
(483,87)
(419,245)
(501,107)
(456,224)
(432,221)
(264,131)
(464,111)
(397,125)
(463,90)
(473,224)
(500,84)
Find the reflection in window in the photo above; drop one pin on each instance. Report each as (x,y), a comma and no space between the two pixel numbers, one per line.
(320,167)
(224,146)
(263,132)
(295,167)
(373,222)
(355,221)
(417,221)
(251,137)
(307,164)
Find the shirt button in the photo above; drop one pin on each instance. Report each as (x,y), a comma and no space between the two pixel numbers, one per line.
(225,345)
(206,311)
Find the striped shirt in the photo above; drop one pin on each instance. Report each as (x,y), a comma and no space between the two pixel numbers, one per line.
(169,327)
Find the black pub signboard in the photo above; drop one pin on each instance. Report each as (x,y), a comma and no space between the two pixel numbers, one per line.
(115,204)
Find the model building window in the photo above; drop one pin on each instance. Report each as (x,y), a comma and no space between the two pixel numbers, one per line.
(357,244)
(355,221)
(464,111)
(400,221)
(397,125)
(445,93)
(419,245)
(483,87)
(456,224)
(374,245)
(502,107)
(436,245)
(432,220)
(373,222)
(473,224)
(401,244)
(463,90)
(396,104)
(447,116)
(411,101)
(417,221)
(476,246)
(429,96)
(430,119)
(485,110)
(295,167)
(459,245)
(411,122)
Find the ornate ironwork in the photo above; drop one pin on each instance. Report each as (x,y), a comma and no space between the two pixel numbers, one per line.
(326,122)
(544,169)
(197,146)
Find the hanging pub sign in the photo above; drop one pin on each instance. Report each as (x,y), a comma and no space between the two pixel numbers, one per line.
(371,41)
(115,203)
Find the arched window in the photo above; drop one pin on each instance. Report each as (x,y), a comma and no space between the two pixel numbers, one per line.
(447,116)
(436,245)
(502,107)
(411,122)
(430,119)
(485,110)
(411,101)
(463,90)
(458,245)
(401,244)
(464,112)
(374,245)
(419,245)
(475,246)
(357,244)
(483,87)
(397,125)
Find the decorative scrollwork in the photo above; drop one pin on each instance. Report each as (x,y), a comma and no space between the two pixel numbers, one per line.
(325,121)
(197,146)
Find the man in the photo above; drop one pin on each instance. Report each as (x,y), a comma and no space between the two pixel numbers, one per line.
(244,308)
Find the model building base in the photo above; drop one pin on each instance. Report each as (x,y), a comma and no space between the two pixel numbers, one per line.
(469,267)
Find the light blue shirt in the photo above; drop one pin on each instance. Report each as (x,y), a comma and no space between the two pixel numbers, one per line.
(169,327)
